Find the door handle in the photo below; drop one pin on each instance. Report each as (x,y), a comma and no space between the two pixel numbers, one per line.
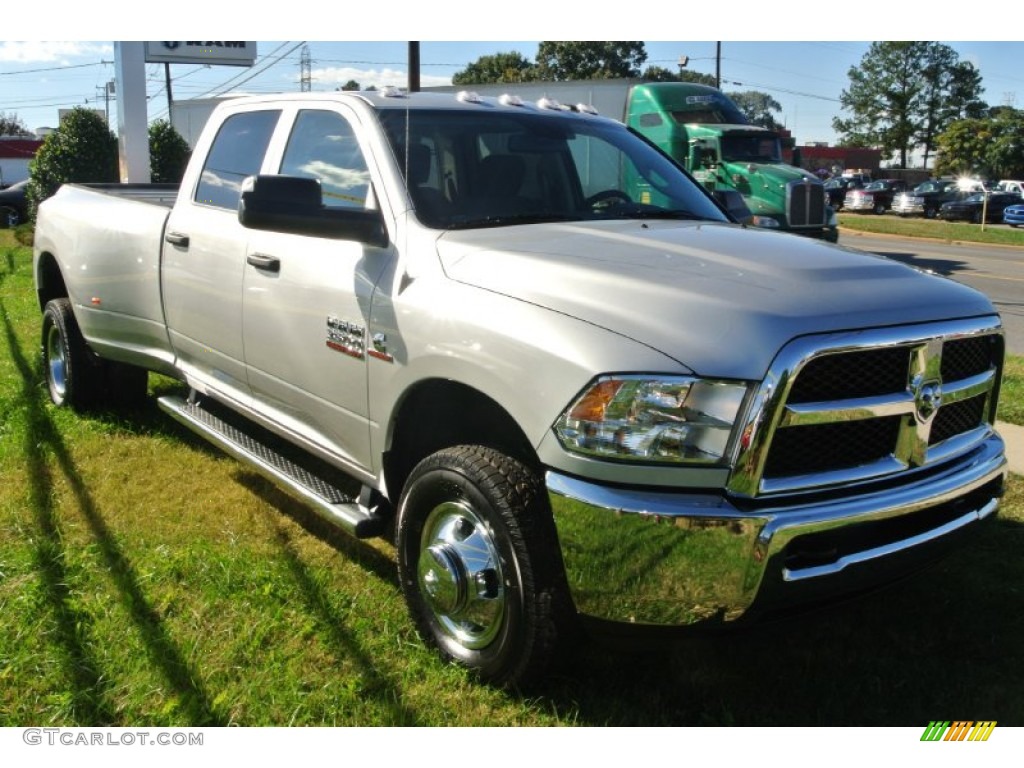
(262,261)
(177,238)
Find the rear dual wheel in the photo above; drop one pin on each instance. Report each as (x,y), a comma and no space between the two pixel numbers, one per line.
(75,377)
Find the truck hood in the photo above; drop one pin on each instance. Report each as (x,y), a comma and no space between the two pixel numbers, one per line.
(779,173)
(720,299)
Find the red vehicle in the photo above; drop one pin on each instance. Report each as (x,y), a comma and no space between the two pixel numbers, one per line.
(876,197)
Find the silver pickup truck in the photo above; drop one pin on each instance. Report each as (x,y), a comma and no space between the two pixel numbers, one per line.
(522,343)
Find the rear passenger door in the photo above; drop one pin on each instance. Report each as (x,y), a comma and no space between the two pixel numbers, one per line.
(204,257)
(306,299)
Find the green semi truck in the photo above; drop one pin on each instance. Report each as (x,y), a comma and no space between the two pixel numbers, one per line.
(706,133)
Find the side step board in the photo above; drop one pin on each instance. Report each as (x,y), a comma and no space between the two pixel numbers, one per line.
(330,502)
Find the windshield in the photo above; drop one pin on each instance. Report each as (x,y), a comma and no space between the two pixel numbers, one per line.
(472,168)
(751,149)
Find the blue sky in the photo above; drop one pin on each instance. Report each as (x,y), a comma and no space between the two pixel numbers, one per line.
(805,77)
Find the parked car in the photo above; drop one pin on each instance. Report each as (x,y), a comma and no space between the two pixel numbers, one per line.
(1014,215)
(970,208)
(837,187)
(876,197)
(927,197)
(1010,185)
(13,205)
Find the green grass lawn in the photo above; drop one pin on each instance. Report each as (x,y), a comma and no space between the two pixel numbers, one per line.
(949,231)
(145,579)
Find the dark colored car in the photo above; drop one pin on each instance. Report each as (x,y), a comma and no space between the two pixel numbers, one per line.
(1014,215)
(13,205)
(970,208)
(876,197)
(837,188)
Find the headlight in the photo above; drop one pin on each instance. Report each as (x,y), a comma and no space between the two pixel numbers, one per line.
(670,419)
(763,221)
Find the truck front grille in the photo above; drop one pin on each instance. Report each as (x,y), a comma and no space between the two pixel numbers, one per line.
(863,407)
(805,203)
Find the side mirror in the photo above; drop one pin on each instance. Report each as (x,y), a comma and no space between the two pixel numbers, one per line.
(734,203)
(294,204)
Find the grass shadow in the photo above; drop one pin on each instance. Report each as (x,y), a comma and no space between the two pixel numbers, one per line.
(43,440)
(378,685)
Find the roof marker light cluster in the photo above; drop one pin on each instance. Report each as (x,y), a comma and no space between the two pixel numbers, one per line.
(510,100)
(394,92)
(469,97)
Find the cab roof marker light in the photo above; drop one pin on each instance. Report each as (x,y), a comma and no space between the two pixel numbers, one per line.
(469,97)
(393,92)
(546,103)
(510,100)
(587,109)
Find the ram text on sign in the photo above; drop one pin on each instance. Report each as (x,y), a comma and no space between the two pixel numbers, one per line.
(232,53)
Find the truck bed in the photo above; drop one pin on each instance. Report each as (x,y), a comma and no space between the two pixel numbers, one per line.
(157,194)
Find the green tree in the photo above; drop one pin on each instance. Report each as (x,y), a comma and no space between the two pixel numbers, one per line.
(885,98)
(510,67)
(589,60)
(952,91)
(351,85)
(11,125)
(992,147)
(757,107)
(656,74)
(168,153)
(81,149)
(903,94)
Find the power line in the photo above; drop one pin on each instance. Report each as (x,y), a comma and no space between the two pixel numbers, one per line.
(54,69)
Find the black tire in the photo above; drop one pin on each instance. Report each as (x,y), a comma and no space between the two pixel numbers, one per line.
(74,377)
(976,217)
(479,564)
(931,213)
(879,209)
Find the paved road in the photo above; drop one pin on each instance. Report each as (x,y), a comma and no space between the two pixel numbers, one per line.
(997,271)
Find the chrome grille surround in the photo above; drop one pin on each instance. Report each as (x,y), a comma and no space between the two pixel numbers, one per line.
(805,203)
(895,430)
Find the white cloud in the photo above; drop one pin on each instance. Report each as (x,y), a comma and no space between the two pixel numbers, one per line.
(338,76)
(34,51)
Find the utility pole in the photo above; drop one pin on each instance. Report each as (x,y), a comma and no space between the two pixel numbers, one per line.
(109,91)
(414,66)
(170,96)
(305,71)
(718,65)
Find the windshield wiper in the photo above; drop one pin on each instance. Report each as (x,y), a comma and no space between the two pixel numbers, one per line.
(506,220)
(651,212)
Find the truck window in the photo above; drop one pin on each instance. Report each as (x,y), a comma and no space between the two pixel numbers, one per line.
(237,152)
(323,146)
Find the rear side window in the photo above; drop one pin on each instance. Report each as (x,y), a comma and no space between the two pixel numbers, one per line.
(237,152)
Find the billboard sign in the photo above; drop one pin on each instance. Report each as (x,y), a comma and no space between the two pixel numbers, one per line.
(226,52)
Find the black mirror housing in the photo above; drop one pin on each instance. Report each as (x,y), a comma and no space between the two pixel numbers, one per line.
(294,204)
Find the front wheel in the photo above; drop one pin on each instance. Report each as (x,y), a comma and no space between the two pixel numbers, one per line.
(479,563)
(880,209)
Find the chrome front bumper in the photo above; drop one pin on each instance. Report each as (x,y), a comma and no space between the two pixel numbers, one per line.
(675,559)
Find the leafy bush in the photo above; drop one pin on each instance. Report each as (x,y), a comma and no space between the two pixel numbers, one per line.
(168,153)
(81,150)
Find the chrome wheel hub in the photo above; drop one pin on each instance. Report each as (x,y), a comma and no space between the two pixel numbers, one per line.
(460,574)
(55,363)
